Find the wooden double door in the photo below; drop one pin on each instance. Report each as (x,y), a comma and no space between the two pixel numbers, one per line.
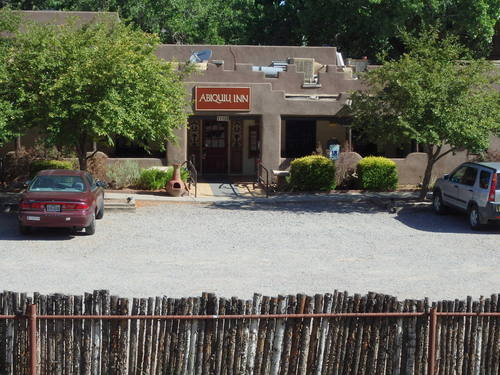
(215,147)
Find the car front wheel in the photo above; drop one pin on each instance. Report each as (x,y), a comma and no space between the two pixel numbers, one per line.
(474,218)
(437,203)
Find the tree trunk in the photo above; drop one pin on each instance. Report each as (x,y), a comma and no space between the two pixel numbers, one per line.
(82,160)
(431,159)
(81,149)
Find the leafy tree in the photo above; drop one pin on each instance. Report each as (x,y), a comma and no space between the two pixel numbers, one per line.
(79,84)
(436,95)
(5,114)
(8,24)
(367,27)
(176,21)
(473,22)
(357,27)
(276,22)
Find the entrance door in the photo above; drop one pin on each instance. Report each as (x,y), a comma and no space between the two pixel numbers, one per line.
(214,147)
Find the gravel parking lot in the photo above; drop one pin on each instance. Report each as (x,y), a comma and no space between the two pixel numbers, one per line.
(184,249)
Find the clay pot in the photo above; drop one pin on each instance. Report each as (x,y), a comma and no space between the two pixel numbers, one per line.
(175,187)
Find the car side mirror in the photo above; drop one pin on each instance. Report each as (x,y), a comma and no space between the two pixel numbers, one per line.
(101,184)
(27,183)
(446,176)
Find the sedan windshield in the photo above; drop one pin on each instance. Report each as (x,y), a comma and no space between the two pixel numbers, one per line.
(73,184)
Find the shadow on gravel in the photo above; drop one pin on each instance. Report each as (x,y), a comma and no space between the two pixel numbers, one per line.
(309,207)
(9,231)
(417,217)
(426,220)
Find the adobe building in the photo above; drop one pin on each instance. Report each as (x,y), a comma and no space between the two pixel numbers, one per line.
(262,103)
(276,103)
(267,103)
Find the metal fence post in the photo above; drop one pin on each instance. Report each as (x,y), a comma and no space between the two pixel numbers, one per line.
(33,341)
(431,358)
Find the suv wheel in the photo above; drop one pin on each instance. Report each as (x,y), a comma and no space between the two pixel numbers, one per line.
(437,203)
(474,218)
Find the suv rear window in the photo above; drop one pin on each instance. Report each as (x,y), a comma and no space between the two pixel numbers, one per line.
(484,179)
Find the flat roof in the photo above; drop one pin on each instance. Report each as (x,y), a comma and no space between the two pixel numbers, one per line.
(492,164)
(248,54)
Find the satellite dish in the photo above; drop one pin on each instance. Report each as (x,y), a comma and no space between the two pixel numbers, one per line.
(200,56)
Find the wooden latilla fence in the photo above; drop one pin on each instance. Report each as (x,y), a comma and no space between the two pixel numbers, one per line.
(297,334)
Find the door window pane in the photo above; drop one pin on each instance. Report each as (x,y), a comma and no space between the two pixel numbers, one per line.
(215,136)
(457,176)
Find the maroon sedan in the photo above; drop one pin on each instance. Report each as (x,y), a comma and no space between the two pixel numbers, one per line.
(61,198)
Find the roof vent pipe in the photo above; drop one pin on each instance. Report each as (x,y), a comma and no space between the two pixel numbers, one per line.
(340,60)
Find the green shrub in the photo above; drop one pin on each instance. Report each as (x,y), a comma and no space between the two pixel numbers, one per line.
(155,179)
(312,173)
(39,165)
(121,175)
(184,174)
(377,173)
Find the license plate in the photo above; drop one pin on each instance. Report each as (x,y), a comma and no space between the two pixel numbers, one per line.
(53,208)
(33,218)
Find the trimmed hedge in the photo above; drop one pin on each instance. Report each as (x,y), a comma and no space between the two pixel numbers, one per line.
(155,179)
(39,165)
(377,173)
(312,173)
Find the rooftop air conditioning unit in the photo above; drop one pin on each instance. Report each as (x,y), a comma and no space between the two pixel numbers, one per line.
(306,66)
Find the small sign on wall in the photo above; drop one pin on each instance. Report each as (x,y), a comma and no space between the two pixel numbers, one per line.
(334,152)
(222,99)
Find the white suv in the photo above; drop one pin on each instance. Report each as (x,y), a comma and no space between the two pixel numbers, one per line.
(473,188)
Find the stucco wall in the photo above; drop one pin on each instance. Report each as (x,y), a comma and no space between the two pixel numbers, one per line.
(177,152)
(270,106)
(248,163)
(333,80)
(412,168)
(494,149)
